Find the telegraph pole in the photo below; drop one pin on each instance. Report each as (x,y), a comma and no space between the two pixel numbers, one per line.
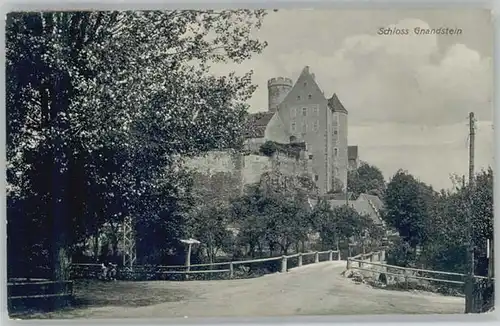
(469,283)
(472,135)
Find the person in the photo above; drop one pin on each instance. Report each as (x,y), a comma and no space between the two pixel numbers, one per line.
(111,271)
(104,271)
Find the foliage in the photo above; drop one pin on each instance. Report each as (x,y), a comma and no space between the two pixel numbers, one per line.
(210,227)
(408,208)
(269,148)
(271,216)
(399,253)
(100,104)
(469,206)
(366,179)
(438,222)
(342,223)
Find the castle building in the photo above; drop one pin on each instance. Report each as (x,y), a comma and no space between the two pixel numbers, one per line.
(352,154)
(300,112)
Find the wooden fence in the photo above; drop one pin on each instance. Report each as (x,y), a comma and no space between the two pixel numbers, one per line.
(222,270)
(483,299)
(23,294)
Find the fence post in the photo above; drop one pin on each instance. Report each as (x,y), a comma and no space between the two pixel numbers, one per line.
(316,257)
(283,264)
(338,255)
(300,260)
(348,263)
(371,258)
(406,280)
(231,270)
(330,255)
(382,255)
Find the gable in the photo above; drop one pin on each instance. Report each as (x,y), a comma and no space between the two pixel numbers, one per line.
(276,131)
(304,91)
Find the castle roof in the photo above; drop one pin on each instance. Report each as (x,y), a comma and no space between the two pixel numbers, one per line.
(256,124)
(335,105)
(352,152)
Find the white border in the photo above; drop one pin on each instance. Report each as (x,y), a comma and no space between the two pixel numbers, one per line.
(10,5)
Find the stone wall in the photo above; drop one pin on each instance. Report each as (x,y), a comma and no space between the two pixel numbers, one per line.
(223,174)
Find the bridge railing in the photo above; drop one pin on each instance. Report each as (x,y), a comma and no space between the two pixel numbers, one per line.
(376,258)
(219,270)
(441,281)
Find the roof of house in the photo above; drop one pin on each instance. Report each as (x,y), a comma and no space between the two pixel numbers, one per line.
(256,124)
(336,196)
(352,152)
(335,105)
(361,205)
(375,200)
(364,208)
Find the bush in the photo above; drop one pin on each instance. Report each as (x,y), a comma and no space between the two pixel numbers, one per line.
(399,253)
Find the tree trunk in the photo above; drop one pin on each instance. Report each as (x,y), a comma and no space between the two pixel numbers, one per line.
(96,246)
(59,182)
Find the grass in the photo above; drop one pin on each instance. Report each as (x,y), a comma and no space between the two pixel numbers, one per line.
(95,294)
(91,293)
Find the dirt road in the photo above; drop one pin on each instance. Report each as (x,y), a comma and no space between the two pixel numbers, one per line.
(317,289)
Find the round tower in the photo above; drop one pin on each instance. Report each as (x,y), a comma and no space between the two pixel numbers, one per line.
(278,88)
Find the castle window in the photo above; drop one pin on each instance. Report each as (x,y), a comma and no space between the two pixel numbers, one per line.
(292,127)
(335,131)
(298,97)
(305,83)
(293,112)
(316,110)
(304,111)
(316,177)
(336,151)
(310,96)
(310,156)
(304,127)
(316,125)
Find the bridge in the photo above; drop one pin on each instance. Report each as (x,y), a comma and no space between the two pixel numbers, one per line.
(314,289)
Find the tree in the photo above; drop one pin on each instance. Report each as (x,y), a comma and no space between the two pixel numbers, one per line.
(273,213)
(342,223)
(325,222)
(210,227)
(131,88)
(471,202)
(408,208)
(366,179)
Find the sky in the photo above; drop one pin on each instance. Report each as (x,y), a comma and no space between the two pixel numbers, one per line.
(408,96)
